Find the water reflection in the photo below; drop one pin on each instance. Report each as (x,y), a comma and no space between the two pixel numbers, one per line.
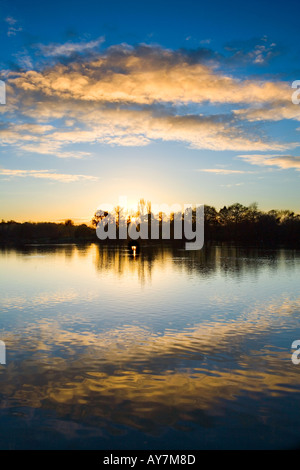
(229,260)
(127,345)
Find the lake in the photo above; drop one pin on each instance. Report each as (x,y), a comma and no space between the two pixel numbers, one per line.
(170,349)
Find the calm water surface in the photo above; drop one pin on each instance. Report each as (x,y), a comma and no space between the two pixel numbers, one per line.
(167,350)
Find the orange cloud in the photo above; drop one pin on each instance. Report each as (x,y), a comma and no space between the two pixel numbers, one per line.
(132,96)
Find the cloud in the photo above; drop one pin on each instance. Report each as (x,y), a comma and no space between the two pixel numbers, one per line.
(13,29)
(231,185)
(258,51)
(69,48)
(45,174)
(24,60)
(131,128)
(283,162)
(132,96)
(37,138)
(274,111)
(145,75)
(10,20)
(205,41)
(221,171)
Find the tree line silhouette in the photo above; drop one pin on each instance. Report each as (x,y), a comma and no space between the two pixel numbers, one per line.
(242,224)
(231,224)
(12,232)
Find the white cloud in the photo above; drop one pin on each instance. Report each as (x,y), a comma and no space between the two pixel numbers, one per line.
(283,162)
(45,174)
(69,48)
(131,128)
(13,29)
(221,171)
(10,20)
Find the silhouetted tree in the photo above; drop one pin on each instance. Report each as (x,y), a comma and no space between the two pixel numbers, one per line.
(236,223)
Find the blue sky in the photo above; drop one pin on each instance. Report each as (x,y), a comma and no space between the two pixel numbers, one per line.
(175,102)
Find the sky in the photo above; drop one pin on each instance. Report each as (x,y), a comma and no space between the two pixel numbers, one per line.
(176,102)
